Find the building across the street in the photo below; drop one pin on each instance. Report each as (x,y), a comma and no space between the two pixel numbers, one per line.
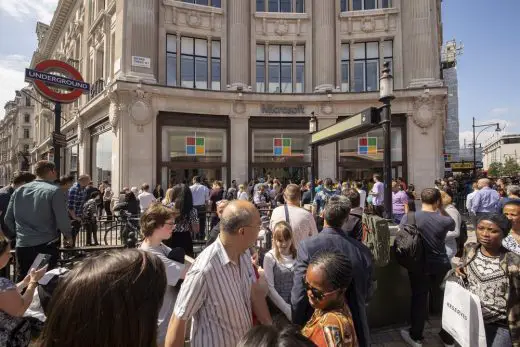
(500,149)
(16,135)
(225,88)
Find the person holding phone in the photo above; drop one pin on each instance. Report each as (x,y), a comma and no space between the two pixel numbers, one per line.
(14,328)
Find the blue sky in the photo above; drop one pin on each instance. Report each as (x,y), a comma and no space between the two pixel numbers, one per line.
(488,70)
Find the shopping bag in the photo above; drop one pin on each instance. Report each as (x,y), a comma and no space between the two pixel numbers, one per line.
(462,316)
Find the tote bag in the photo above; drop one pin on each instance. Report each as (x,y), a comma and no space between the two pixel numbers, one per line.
(462,316)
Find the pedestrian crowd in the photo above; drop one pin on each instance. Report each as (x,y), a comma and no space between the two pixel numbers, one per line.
(308,285)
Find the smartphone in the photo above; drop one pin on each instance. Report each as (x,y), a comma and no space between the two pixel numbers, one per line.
(40,261)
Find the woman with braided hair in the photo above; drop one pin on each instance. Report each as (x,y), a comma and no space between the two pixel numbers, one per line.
(328,276)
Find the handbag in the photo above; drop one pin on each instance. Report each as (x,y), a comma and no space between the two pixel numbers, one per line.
(462,315)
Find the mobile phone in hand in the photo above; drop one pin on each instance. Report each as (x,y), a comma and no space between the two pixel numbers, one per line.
(41,261)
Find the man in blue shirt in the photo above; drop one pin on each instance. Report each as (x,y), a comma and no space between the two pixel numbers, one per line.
(36,211)
(77,198)
(486,199)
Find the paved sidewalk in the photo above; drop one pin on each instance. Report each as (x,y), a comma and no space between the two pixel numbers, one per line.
(391,337)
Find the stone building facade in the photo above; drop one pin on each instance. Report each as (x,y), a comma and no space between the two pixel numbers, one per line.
(225,88)
(16,135)
(500,149)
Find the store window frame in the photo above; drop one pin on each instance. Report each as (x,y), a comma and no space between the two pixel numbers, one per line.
(71,142)
(280,6)
(97,129)
(194,121)
(297,68)
(349,5)
(276,124)
(211,3)
(398,121)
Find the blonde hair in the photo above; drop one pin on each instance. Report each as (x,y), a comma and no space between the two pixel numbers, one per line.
(241,187)
(283,231)
(446,199)
(167,197)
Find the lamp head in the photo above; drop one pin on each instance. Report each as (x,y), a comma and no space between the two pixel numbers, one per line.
(386,83)
(312,123)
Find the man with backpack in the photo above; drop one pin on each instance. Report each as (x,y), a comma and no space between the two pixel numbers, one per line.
(321,199)
(426,272)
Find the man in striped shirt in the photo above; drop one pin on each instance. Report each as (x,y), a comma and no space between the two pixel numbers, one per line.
(219,289)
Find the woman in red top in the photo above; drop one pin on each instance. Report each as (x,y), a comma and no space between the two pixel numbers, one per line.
(328,277)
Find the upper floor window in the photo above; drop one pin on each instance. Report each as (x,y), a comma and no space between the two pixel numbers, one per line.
(366,58)
(214,3)
(26,148)
(26,118)
(199,63)
(277,64)
(280,6)
(358,5)
(25,133)
(27,101)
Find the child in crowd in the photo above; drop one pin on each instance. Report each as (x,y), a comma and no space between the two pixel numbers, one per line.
(279,264)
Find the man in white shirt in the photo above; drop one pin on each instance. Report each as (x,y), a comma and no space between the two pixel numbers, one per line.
(469,201)
(200,195)
(302,222)
(145,198)
(220,291)
(362,195)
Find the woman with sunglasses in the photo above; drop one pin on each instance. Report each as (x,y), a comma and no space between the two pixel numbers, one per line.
(328,276)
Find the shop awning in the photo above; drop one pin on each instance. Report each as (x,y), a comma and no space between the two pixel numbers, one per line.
(352,126)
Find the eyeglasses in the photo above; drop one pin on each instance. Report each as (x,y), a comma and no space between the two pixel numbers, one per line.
(316,293)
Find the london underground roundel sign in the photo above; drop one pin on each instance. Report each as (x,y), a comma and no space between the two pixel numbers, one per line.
(42,78)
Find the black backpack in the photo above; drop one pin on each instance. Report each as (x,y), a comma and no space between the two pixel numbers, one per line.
(461,240)
(408,245)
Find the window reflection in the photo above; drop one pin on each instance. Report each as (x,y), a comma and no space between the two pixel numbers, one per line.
(102,158)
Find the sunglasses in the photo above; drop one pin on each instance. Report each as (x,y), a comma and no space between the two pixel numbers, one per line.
(316,293)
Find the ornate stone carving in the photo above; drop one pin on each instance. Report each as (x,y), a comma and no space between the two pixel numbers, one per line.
(81,128)
(193,19)
(326,108)
(368,24)
(239,107)
(114,110)
(141,108)
(423,111)
(282,28)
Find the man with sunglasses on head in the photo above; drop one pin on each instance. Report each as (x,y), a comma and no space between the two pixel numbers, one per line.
(332,238)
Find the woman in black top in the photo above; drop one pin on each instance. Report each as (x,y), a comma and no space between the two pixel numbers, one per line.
(187,222)
(158,192)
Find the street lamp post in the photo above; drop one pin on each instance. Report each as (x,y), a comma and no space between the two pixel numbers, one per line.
(485,126)
(313,127)
(386,95)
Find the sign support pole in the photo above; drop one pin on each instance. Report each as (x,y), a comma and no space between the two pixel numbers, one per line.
(387,157)
(57,130)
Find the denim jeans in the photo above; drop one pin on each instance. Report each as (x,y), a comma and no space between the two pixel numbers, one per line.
(397,217)
(497,336)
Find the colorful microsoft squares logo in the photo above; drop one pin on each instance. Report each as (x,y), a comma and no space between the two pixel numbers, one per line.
(282,146)
(367,145)
(195,145)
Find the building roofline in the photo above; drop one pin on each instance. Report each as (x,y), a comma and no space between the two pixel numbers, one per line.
(507,136)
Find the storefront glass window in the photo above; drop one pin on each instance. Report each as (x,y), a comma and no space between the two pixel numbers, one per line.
(71,161)
(270,145)
(354,147)
(102,158)
(193,145)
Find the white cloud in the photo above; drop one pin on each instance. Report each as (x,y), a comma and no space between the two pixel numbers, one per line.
(23,10)
(12,72)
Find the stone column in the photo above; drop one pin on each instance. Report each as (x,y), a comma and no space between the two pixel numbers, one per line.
(421,51)
(327,154)
(239,57)
(424,125)
(239,147)
(324,43)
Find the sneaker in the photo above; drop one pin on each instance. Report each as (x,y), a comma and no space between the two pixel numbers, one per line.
(405,334)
